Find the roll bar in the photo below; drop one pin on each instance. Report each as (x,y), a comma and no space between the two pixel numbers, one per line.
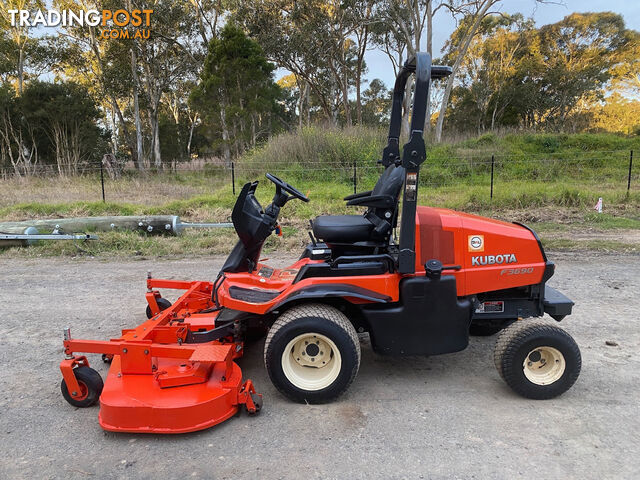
(414,151)
(391,152)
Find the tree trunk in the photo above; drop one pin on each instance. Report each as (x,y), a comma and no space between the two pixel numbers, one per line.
(154,93)
(253,131)
(406,106)
(303,94)
(493,116)
(361,52)
(157,157)
(116,131)
(21,69)
(225,135)
(191,128)
(308,105)
(347,107)
(136,109)
(345,91)
(333,114)
(427,120)
(461,53)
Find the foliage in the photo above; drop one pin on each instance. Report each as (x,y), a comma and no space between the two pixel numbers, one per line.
(547,78)
(236,96)
(581,74)
(376,104)
(55,123)
(549,181)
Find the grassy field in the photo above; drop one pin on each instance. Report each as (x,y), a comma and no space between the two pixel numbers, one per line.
(551,182)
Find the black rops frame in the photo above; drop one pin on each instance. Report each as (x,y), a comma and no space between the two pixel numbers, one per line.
(414,151)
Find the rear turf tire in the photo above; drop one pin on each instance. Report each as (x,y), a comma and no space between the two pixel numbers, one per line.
(537,360)
(312,353)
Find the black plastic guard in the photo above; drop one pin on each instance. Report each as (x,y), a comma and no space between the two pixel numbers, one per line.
(329,290)
(555,303)
(429,319)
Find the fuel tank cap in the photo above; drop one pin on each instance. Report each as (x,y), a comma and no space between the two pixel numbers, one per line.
(433,268)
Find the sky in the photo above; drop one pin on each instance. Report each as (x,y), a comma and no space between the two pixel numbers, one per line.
(379,65)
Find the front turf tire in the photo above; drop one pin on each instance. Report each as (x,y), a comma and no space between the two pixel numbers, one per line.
(537,360)
(312,353)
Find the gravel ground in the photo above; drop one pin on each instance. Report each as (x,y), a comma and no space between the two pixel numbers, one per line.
(440,417)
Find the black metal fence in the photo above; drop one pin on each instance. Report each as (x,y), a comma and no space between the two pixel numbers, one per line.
(615,169)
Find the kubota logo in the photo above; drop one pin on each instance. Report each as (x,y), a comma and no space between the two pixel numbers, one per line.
(493,259)
(476,243)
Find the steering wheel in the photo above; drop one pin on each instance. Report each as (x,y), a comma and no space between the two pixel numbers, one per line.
(287,188)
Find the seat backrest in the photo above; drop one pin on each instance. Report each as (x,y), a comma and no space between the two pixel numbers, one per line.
(390,182)
(385,219)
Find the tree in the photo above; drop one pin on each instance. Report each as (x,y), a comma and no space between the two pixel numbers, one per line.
(104,69)
(376,106)
(488,83)
(60,121)
(625,74)
(577,53)
(321,42)
(18,149)
(553,77)
(19,34)
(475,12)
(164,59)
(236,96)
(618,115)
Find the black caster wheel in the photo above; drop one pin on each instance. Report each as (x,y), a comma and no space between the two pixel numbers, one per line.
(91,386)
(163,303)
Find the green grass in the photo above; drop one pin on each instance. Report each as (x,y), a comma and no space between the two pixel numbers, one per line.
(549,181)
(604,246)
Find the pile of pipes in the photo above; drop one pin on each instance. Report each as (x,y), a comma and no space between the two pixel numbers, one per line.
(28,232)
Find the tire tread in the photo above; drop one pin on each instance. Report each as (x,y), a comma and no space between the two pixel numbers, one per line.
(320,310)
(512,338)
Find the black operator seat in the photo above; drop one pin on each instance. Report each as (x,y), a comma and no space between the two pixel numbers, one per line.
(377,222)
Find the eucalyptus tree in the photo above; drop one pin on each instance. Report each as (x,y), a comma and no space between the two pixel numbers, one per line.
(236,94)
(20,34)
(321,42)
(104,68)
(165,58)
(578,54)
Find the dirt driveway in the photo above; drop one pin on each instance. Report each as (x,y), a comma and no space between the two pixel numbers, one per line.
(440,417)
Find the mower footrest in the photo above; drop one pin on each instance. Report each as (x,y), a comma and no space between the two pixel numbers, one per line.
(212,353)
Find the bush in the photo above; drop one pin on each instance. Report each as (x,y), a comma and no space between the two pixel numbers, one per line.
(316,153)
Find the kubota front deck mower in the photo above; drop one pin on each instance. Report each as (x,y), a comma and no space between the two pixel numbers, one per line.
(451,272)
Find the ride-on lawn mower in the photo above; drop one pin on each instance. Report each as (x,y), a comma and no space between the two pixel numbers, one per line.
(451,272)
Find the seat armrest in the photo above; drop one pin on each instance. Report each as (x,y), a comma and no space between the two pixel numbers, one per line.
(357,195)
(374,201)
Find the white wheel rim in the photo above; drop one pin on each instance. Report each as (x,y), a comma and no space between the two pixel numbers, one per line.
(311,361)
(544,365)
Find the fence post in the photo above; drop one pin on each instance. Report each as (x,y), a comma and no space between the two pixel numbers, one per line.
(102,179)
(630,166)
(233,177)
(355,175)
(492,162)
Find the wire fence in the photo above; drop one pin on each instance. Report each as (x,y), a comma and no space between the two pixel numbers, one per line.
(614,168)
